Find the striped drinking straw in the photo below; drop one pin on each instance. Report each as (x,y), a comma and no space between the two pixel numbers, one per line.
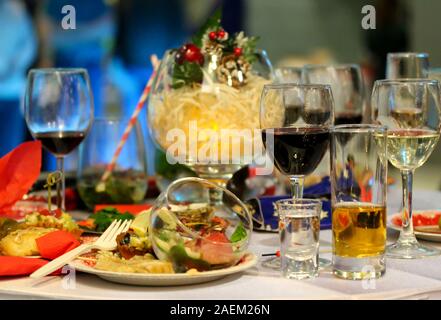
(101,186)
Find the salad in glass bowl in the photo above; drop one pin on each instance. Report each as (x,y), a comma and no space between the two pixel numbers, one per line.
(193,234)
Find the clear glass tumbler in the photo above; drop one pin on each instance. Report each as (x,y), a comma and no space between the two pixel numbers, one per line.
(299,229)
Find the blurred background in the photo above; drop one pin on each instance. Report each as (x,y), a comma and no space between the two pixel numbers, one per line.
(114,40)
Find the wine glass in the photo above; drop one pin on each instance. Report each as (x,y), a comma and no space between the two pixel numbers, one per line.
(295,120)
(127,184)
(410,109)
(402,65)
(59,112)
(288,75)
(347,89)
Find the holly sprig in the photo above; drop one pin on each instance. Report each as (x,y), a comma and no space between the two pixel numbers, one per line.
(213,23)
(189,61)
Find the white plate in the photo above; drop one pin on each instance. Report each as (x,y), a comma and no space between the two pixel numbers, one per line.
(174,279)
(429,236)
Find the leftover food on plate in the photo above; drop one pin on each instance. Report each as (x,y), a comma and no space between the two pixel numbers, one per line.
(420,218)
(147,263)
(21,242)
(17,238)
(102,219)
(60,221)
(135,254)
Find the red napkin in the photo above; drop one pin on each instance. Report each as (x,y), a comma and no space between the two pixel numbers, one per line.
(51,246)
(19,170)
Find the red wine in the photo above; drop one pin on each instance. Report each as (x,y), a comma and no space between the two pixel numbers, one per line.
(348,118)
(316,116)
(297,151)
(60,143)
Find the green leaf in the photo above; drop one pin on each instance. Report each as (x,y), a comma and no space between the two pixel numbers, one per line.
(249,50)
(238,234)
(104,217)
(213,23)
(186,73)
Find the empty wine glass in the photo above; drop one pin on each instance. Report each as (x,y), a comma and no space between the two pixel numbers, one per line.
(347,89)
(288,75)
(402,65)
(59,112)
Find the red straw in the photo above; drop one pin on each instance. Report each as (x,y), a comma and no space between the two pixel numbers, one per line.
(139,106)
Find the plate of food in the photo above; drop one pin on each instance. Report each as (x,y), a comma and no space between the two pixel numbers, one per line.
(135,260)
(18,238)
(426,224)
(147,271)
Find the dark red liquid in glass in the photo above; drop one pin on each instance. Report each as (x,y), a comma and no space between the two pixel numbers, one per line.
(296,151)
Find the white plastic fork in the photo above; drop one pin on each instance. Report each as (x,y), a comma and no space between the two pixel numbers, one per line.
(107,242)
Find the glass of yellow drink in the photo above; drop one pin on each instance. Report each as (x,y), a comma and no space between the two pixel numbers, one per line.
(358,184)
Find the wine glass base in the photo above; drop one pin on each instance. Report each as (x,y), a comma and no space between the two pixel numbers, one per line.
(412,250)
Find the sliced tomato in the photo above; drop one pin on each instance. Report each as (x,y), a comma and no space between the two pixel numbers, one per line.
(216,248)
(44,212)
(425,218)
(88,223)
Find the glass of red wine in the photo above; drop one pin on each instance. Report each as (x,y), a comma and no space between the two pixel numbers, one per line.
(347,89)
(295,120)
(59,112)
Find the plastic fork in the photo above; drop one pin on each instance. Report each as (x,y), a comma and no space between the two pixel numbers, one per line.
(106,242)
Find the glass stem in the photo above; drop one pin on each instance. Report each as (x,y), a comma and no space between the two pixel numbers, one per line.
(297,186)
(61,187)
(407,236)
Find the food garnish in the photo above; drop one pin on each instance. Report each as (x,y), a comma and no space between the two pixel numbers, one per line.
(102,219)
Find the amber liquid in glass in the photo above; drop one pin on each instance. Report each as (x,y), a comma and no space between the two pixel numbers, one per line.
(359,229)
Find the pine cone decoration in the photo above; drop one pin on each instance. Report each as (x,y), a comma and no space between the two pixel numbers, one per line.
(233,71)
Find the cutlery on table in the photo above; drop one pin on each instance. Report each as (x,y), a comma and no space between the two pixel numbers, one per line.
(107,242)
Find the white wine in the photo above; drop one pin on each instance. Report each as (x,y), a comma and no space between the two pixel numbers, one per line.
(408,149)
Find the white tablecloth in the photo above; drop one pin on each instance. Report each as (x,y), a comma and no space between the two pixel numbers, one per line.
(411,279)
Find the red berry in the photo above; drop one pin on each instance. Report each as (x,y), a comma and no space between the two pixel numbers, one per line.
(212,35)
(193,54)
(221,34)
(237,52)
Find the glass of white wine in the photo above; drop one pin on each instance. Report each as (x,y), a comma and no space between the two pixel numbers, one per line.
(410,109)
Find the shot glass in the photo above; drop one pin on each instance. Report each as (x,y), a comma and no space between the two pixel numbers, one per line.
(299,230)
(358,195)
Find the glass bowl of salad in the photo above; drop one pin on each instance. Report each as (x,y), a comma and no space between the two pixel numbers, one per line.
(194,233)
(127,183)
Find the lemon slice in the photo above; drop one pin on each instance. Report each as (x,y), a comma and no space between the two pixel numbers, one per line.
(141,223)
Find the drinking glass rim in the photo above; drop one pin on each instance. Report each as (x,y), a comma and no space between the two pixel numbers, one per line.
(288,68)
(58,70)
(292,85)
(337,66)
(298,203)
(408,54)
(355,128)
(406,81)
